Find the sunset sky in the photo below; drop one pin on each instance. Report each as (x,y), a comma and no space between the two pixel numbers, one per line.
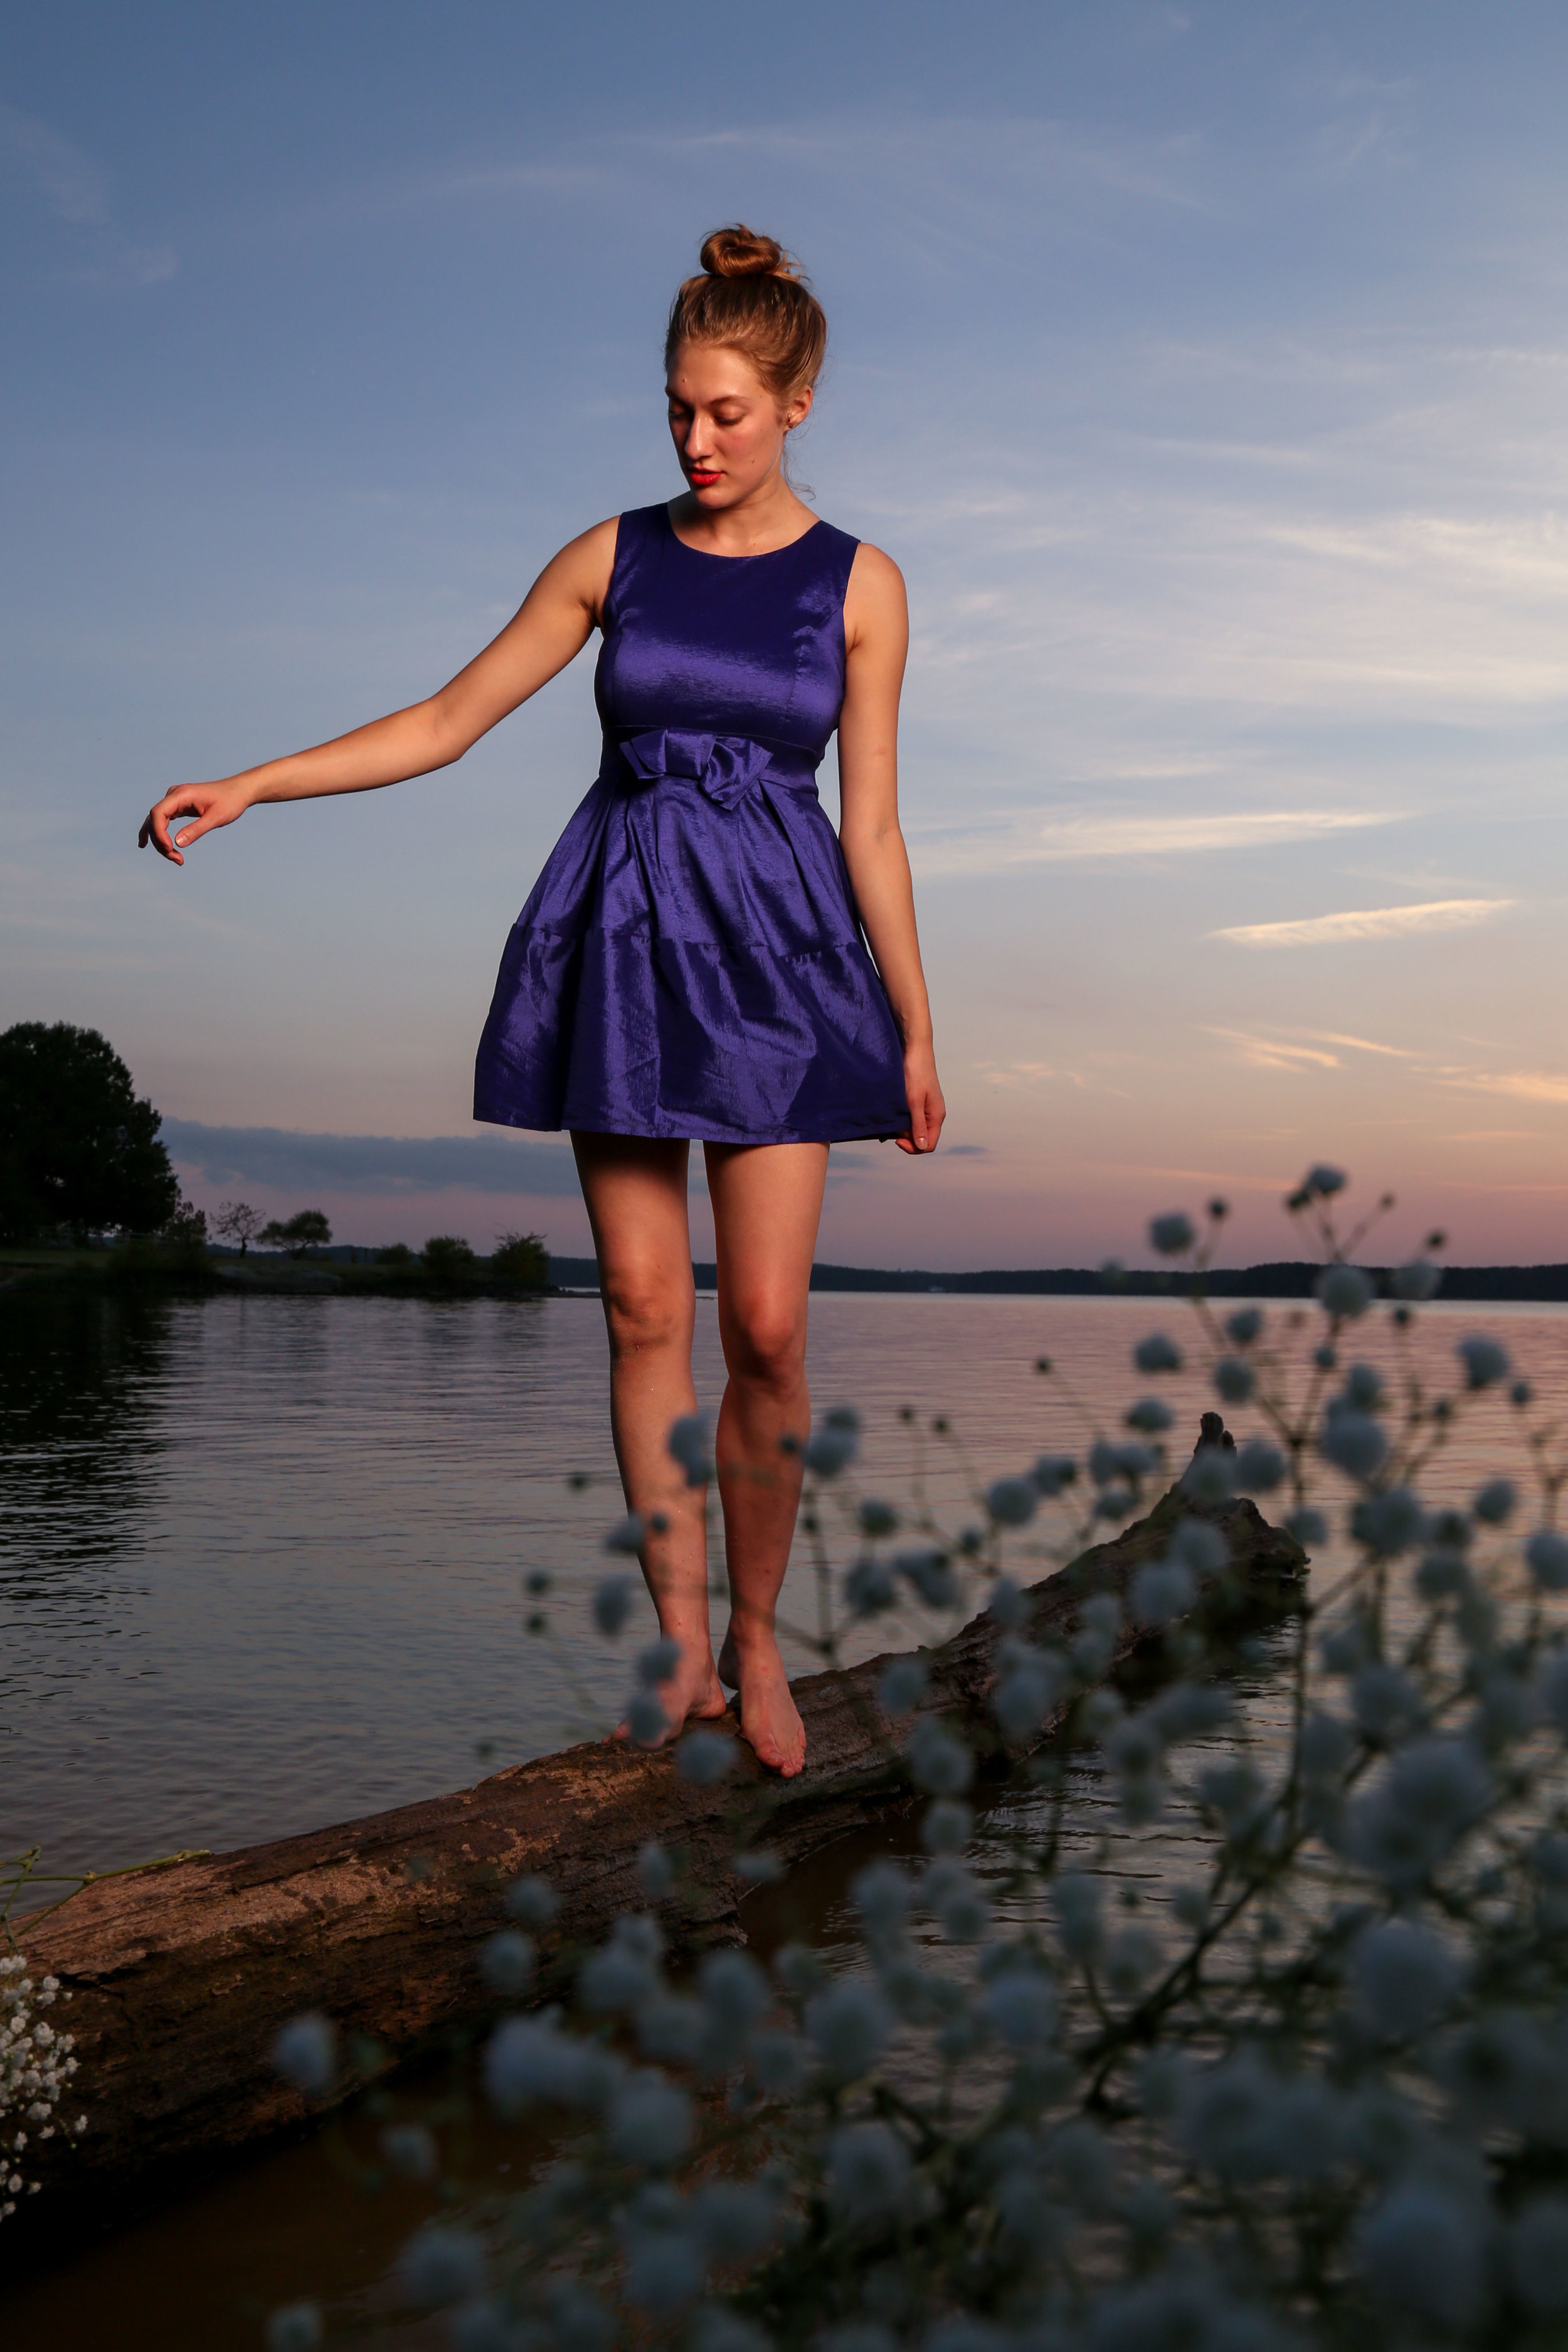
(1205,368)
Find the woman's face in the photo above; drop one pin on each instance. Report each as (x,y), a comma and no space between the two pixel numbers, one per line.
(728,427)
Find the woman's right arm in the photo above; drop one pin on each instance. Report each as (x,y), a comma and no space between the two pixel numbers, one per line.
(550,629)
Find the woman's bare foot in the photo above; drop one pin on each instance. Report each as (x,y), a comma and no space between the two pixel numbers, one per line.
(691,1693)
(770,1720)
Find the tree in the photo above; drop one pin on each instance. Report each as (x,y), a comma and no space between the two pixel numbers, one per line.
(447,1257)
(78,1149)
(308,1229)
(523,1259)
(236,1221)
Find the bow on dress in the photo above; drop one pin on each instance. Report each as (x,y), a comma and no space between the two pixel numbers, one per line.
(725,767)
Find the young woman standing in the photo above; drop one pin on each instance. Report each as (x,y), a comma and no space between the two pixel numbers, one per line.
(692,964)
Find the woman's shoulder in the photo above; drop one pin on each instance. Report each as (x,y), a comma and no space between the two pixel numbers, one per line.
(875,598)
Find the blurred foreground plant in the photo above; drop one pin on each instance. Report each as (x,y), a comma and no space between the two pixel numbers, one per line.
(1319,2097)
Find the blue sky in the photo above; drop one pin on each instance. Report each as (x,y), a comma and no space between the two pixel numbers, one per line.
(1202,367)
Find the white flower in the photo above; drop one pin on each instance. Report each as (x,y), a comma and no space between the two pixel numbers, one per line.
(704,1758)
(883,1895)
(656,1873)
(530,2058)
(1173,1234)
(833,1446)
(297,2327)
(1353,1442)
(1157,1354)
(1020,2001)
(939,1762)
(900,1685)
(691,1444)
(849,2025)
(628,1535)
(1546,1556)
(1030,1687)
(737,2218)
(876,1518)
(1484,1360)
(1260,1467)
(658,1663)
(1385,1701)
(956,1896)
(1343,1292)
(664,2270)
(613,1603)
(1149,1416)
(1162,1590)
(932,1574)
(624,1972)
(1012,1502)
(305,2052)
(1052,1472)
(1421,2249)
(647,1722)
(867,2173)
(533,1901)
(1235,1379)
(1388,1523)
(1123,1459)
(947,1826)
(442,2265)
(1416,1279)
(1496,1501)
(1403,1976)
(1538,2256)
(506,1962)
(649,2123)
(411,2151)
(1077,1899)
(868,1586)
(735,1997)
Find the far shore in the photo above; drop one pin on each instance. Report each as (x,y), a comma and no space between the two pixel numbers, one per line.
(355,1271)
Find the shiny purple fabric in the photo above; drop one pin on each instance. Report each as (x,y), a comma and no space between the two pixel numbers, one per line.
(690,963)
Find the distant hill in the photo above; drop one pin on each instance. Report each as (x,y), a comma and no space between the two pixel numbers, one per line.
(1285,1278)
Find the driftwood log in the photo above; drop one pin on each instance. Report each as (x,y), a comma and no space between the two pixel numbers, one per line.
(181,1977)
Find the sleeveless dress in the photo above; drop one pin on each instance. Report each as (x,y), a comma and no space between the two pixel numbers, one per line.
(690,962)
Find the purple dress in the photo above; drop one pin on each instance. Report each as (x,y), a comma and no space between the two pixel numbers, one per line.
(690,962)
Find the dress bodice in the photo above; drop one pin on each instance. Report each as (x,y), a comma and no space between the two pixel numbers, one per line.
(748,646)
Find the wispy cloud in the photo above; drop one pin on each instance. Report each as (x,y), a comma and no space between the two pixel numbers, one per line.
(1083,835)
(383,1164)
(1367,923)
(1526,1086)
(1270,1053)
(76,190)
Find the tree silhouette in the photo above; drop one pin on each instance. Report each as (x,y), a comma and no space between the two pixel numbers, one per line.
(236,1221)
(78,1150)
(308,1230)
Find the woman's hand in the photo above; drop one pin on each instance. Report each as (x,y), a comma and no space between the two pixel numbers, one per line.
(210,804)
(922,1090)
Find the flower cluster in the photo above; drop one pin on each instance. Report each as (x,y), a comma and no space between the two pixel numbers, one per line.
(1318,2095)
(35,2068)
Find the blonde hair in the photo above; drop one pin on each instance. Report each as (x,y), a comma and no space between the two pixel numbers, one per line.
(751,297)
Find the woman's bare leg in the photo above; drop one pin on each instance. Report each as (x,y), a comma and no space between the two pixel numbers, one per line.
(636,1194)
(767,1205)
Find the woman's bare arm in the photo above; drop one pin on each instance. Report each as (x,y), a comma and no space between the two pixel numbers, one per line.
(550,628)
(876,640)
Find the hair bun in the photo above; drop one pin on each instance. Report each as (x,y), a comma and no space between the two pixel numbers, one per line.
(739,252)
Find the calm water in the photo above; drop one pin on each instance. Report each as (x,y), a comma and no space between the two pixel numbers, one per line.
(259,1570)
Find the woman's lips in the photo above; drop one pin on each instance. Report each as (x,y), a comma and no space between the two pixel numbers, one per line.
(700,477)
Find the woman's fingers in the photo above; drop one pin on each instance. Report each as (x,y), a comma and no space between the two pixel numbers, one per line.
(203,808)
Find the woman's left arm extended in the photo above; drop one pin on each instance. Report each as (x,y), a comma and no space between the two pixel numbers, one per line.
(876,640)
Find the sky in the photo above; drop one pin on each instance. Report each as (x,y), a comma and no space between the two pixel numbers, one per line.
(1202,367)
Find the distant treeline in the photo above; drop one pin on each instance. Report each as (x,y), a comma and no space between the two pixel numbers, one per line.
(1287,1278)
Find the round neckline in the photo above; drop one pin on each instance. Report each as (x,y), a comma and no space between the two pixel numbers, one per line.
(762,555)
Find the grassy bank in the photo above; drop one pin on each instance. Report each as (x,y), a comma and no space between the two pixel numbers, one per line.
(175,1266)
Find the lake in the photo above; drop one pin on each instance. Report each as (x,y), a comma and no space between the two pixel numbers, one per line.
(261,1569)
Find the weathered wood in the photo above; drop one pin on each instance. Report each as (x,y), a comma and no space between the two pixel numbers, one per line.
(181,1977)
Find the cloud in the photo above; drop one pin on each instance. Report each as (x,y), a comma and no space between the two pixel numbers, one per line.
(1527,1086)
(76,190)
(1075,834)
(1367,923)
(1268,1053)
(375,1164)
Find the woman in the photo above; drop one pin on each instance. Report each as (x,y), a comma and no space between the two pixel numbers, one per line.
(691,962)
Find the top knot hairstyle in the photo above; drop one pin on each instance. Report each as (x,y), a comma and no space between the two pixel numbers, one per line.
(751,297)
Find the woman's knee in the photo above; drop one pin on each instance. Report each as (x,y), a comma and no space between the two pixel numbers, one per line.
(645,1309)
(764,1340)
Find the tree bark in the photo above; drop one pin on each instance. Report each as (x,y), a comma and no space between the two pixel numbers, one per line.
(181,1977)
